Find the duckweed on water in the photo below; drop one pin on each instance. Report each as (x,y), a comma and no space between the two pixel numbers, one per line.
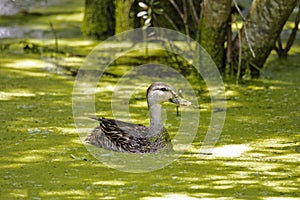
(257,155)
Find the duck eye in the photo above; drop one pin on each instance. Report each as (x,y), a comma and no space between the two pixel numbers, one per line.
(163,89)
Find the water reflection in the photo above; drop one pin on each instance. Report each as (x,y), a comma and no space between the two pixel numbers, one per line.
(21,32)
(11,7)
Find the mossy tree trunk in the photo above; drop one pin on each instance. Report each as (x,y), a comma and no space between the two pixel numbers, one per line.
(213,29)
(124,15)
(263,26)
(99,19)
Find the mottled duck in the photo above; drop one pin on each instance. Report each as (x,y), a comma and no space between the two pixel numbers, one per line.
(122,136)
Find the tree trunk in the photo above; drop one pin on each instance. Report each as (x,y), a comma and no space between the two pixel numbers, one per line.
(262,28)
(124,16)
(283,52)
(99,19)
(213,29)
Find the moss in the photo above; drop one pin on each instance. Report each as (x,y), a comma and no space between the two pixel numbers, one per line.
(42,157)
(212,30)
(99,19)
(124,17)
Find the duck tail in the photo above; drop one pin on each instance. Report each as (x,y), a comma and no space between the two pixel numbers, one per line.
(96,118)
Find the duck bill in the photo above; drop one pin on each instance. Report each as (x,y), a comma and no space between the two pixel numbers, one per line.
(180,101)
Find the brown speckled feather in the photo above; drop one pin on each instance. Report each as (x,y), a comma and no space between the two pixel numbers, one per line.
(126,137)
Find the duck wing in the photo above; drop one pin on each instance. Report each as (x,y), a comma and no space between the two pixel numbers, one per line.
(119,136)
(112,125)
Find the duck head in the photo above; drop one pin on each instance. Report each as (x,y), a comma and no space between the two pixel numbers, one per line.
(160,92)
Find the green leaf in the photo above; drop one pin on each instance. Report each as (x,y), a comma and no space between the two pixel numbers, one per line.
(149,11)
(148,21)
(159,11)
(147,25)
(155,3)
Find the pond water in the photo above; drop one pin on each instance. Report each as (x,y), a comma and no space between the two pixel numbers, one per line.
(32,18)
(12,7)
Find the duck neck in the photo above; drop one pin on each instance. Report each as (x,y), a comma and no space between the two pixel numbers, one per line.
(156,124)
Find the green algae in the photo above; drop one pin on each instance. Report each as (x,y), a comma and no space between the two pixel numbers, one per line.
(257,155)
